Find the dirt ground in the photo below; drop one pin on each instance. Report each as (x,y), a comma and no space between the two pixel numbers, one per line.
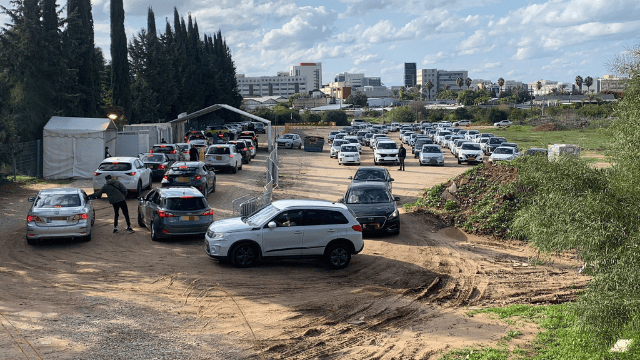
(122,296)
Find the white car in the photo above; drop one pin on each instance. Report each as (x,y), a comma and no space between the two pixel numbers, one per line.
(471,134)
(332,135)
(431,154)
(470,153)
(502,123)
(386,152)
(354,141)
(335,147)
(130,171)
(462,123)
(290,141)
(288,228)
(505,153)
(348,154)
(223,157)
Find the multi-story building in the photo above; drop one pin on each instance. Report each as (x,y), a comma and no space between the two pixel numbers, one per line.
(611,83)
(410,75)
(312,71)
(440,79)
(281,85)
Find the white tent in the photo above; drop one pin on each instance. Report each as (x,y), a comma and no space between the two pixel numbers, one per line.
(74,147)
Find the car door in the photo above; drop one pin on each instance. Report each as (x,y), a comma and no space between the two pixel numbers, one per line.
(286,238)
(151,206)
(319,230)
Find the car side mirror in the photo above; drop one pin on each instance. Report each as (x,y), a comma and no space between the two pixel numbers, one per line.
(341,200)
(32,199)
(390,179)
(141,198)
(350,177)
(272,224)
(396,198)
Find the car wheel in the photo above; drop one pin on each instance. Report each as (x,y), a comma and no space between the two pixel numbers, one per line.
(244,255)
(300,146)
(93,219)
(139,188)
(459,162)
(205,191)
(154,235)
(240,168)
(397,232)
(338,256)
(32,242)
(421,164)
(234,169)
(140,222)
(150,182)
(213,189)
(88,237)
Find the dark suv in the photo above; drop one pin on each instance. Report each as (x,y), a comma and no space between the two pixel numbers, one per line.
(190,173)
(174,212)
(244,149)
(374,207)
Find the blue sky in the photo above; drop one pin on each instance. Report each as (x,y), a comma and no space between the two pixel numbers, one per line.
(517,39)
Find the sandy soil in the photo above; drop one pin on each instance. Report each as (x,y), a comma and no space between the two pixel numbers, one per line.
(122,296)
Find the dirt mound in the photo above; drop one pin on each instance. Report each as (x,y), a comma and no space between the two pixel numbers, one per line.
(547,127)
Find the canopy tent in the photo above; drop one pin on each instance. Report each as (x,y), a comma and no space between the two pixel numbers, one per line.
(74,147)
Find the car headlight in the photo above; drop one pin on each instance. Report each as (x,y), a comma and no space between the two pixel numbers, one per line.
(393,215)
(214,235)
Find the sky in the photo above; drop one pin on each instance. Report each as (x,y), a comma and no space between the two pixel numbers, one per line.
(515,39)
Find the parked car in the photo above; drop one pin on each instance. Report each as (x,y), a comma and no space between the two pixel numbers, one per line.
(335,147)
(503,153)
(174,211)
(386,152)
(471,134)
(250,135)
(184,148)
(157,162)
(288,228)
(60,213)
(170,150)
(290,141)
(374,207)
(348,154)
(224,157)
(512,145)
(470,153)
(502,123)
(367,139)
(417,145)
(130,171)
(493,143)
(191,174)
(259,128)
(366,174)
(332,135)
(431,155)
(478,139)
(536,152)
(354,141)
(244,149)
(462,123)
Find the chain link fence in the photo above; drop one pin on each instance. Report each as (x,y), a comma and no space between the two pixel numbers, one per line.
(20,159)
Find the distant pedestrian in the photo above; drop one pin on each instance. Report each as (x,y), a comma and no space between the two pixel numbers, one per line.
(116,193)
(402,153)
(193,153)
(163,141)
(106,152)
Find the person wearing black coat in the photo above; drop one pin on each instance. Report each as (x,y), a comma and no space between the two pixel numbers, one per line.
(402,153)
(193,153)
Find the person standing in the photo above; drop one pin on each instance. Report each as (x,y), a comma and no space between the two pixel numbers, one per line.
(193,153)
(402,153)
(106,152)
(116,193)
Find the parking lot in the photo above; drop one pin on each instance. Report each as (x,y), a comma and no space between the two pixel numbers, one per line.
(122,296)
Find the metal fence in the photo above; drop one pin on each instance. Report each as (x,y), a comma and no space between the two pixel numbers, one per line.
(21,159)
(249,204)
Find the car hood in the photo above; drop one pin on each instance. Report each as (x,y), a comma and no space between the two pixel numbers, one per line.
(230,225)
(387,151)
(431,154)
(379,209)
(285,140)
(502,156)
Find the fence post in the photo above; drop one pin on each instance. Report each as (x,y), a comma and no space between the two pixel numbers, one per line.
(38,167)
(15,167)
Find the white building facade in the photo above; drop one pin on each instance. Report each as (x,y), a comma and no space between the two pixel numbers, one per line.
(280,85)
(440,79)
(312,71)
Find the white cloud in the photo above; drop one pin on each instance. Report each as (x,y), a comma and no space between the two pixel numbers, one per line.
(304,30)
(366,58)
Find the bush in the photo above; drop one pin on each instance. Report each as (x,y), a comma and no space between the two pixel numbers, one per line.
(337,116)
(402,114)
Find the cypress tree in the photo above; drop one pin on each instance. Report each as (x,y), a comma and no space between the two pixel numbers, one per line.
(119,62)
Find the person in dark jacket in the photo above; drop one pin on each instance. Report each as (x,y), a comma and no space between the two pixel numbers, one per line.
(402,153)
(116,193)
(106,152)
(193,153)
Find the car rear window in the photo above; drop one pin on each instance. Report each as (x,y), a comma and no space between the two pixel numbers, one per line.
(219,150)
(115,166)
(184,169)
(186,203)
(153,158)
(50,201)
(165,149)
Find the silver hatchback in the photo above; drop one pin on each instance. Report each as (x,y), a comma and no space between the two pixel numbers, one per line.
(60,213)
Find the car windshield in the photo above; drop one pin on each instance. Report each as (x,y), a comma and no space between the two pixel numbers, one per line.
(495,140)
(334,132)
(353,141)
(470,147)
(287,136)
(260,216)
(368,196)
(473,132)
(503,150)
(369,135)
(149,158)
(338,143)
(369,175)
(115,166)
(387,145)
(183,147)
(349,148)
(186,203)
(431,149)
(50,201)
(219,150)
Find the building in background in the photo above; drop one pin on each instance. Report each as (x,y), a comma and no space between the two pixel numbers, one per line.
(312,71)
(410,75)
(281,85)
(440,79)
(610,83)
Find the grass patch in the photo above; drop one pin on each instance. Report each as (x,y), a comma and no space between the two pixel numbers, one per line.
(587,139)
(561,337)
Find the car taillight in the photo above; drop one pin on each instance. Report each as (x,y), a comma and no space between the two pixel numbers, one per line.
(80,217)
(96,173)
(245,149)
(164,214)
(357,228)
(166,177)
(208,212)
(131,173)
(160,167)
(33,218)
(150,151)
(252,148)
(198,177)
(231,155)
(174,152)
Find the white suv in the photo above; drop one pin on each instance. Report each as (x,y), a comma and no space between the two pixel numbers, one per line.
(386,152)
(470,152)
(288,228)
(130,171)
(223,157)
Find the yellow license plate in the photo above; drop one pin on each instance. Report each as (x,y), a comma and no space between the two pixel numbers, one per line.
(183,179)
(190,218)
(372,226)
(472,158)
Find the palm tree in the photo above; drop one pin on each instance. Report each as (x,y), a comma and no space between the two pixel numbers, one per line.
(579,83)
(459,82)
(467,82)
(419,88)
(429,86)
(588,81)
(539,85)
(501,83)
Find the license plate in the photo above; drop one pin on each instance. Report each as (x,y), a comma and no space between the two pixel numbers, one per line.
(218,157)
(56,218)
(372,226)
(471,158)
(189,218)
(115,177)
(183,179)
